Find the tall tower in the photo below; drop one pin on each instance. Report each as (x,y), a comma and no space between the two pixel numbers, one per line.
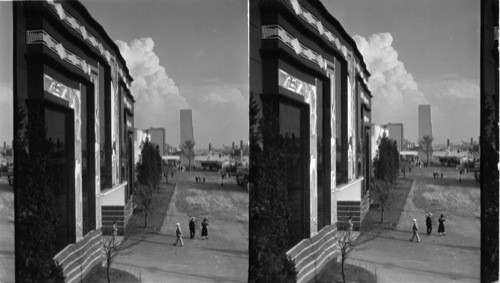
(424,121)
(186,125)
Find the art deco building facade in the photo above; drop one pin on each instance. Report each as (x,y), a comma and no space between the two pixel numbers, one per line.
(305,66)
(65,61)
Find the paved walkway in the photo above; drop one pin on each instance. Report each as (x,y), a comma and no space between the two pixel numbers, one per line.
(452,258)
(6,231)
(222,258)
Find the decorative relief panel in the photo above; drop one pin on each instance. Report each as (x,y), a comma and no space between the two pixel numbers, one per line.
(277,32)
(333,152)
(97,154)
(309,93)
(80,28)
(42,37)
(313,21)
(73,97)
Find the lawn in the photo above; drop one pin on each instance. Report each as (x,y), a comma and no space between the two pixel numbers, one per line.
(98,275)
(156,216)
(353,273)
(393,212)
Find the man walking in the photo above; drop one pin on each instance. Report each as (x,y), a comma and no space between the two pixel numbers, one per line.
(415,231)
(178,234)
(192,228)
(428,222)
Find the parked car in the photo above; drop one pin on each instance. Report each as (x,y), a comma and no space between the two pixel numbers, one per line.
(10,174)
(242,176)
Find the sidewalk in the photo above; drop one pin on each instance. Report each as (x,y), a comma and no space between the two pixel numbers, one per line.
(454,257)
(222,258)
(6,231)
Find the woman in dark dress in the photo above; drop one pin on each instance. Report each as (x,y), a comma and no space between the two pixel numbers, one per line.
(441,225)
(204,231)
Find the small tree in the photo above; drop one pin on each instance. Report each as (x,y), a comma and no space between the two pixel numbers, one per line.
(381,192)
(347,241)
(149,172)
(110,248)
(425,146)
(188,150)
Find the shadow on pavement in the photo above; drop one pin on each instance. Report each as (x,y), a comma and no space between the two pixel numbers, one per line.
(389,265)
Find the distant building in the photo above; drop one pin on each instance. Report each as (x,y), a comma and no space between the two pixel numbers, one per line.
(424,126)
(187,133)
(396,132)
(158,138)
(424,121)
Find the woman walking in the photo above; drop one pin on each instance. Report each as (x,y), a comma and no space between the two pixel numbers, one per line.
(204,230)
(441,225)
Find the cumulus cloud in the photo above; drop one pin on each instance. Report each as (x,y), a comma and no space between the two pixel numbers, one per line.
(6,113)
(157,96)
(396,94)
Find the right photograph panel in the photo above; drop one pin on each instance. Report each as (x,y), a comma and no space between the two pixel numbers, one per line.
(357,151)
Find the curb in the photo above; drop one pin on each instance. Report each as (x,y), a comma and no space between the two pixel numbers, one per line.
(172,199)
(406,201)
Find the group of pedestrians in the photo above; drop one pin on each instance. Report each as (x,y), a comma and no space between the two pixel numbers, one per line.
(428,223)
(198,179)
(192,231)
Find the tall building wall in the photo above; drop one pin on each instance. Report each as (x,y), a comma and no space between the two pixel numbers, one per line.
(187,132)
(307,73)
(424,121)
(72,71)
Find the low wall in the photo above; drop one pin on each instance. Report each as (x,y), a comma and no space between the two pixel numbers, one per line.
(79,258)
(119,213)
(311,255)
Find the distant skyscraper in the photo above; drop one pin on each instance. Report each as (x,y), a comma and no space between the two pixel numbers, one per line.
(396,133)
(186,125)
(158,137)
(424,121)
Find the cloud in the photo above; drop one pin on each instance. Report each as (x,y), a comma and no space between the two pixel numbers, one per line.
(455,107)
(156,94)
(392,86)
(396,95)
(6,113)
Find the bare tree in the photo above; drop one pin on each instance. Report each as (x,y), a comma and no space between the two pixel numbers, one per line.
(348,240)
(188,150)
(425,146)
(110,249)
(111,246)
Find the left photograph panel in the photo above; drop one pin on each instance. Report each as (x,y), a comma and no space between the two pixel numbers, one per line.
(125,129)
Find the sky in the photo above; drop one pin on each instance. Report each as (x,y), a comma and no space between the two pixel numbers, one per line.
(193,54)
(182,55)
(419,52)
